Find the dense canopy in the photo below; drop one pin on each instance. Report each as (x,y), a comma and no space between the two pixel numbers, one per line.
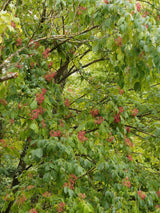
(79,106)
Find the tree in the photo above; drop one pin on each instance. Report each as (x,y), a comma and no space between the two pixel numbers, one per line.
(79,106)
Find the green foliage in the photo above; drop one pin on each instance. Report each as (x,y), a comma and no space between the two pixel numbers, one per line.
(79,106)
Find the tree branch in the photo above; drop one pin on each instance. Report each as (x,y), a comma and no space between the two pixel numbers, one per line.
(4,6)
(149,4)
(8,76)
(84,66)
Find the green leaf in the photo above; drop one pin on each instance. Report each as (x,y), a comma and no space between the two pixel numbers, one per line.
(137,86)
(33,104)
(34,127)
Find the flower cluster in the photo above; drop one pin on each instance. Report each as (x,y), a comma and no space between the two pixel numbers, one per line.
(94,113)
(55,133)
(126,182)
(71,182)
(60,207)
(49,76)
(81,136)
(46,52)
(141,194)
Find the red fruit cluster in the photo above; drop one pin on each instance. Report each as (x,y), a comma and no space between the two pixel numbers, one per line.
(81,136)
(13,24)
(36,45)
(43,91)
(94,112)
(40,96)
(138,7)
(141,194)
(29,187)
(121,91)
(128,142)
(32,64)
(46,52)
(82,195)
(19,66)
(21,199)
(158,193)
(106,2)
(118,41)
(61,123)
(12,121)
(60,207)
(3,101)
(127,183)
(71,182)
(43,124)
(50,65)
(18,42)
(110,139)
(134,112)
(117,116)
(128,129)
(67,104)
(35,113)
(146,13)
(46,194)
(6,197)
(33,211)
(99,120)
(55,133)
(49,76)
(3,143)
(69,115)
(130,158)
(82,8)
